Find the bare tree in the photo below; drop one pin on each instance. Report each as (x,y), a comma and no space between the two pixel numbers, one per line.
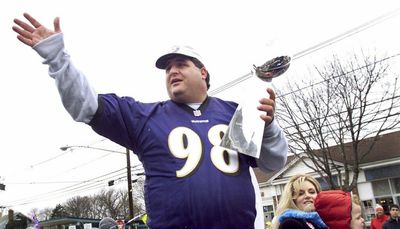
(111,203)
(138,197)
(43,214)
(35,212)
(329,120)
(80,207)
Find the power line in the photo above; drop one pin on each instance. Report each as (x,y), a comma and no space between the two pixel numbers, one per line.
(317,47)
(78,187)
(49,159)
(345,111)
(343,74)
(368,104)
(81,186)
(347,34)
(331,130)
(84,164)
(63,190)
(312,127)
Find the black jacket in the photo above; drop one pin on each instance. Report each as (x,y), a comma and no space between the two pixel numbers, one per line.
(391,224)
(292,223)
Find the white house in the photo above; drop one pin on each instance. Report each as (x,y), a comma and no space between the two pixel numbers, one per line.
(378,181)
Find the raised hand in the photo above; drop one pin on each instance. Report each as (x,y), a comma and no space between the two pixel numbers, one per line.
(34,33)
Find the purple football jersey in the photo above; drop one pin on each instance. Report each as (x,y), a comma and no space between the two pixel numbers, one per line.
(191,182)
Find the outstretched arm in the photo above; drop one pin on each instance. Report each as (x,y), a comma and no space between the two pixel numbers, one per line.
(77,96)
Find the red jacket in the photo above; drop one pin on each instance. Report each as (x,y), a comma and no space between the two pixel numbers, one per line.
(376,223)
(334,207)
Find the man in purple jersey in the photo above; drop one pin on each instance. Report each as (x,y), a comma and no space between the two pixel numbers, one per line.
(191,182)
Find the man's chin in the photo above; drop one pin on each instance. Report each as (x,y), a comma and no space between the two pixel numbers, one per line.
(178,96)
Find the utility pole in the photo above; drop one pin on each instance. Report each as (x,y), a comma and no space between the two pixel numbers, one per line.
(129,175)
(128,171)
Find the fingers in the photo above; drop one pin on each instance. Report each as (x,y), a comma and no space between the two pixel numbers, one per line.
(271,93)
(23,35)
(24,26)
(57,27)
(268,106)
(25,41)
(32,20)
(268,116)
(267,119)
(24,32)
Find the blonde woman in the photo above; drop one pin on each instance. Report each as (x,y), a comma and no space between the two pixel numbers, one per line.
(296,208)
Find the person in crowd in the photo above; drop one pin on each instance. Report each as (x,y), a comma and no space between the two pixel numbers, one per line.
(379,219)
(339,210)
(296,208)
(108,223)
(79,225)
(393,221)
(191,181)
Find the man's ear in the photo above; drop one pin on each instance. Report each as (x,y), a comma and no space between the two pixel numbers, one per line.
(204,72)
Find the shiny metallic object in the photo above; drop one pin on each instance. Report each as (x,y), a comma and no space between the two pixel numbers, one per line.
(246,128)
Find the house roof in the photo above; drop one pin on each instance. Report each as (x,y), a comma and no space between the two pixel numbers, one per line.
(67,220)
(264,177)
(386,147)
(17,215)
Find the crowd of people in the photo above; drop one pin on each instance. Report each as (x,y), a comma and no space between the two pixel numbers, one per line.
(379,219)
(304,205)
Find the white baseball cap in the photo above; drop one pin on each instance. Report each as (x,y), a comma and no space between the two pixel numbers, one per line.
(187,51)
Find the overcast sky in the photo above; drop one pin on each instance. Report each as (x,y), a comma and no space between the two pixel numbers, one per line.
(115,43)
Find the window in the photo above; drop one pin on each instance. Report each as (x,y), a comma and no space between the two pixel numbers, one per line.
(382,172)
(395,183)
(381,188)
(386,192)
(324,184)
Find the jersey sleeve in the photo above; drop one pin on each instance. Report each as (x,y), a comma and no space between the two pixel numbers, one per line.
(274,148)
(77,95)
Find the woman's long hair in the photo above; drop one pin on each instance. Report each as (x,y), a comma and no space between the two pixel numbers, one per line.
(290,192)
